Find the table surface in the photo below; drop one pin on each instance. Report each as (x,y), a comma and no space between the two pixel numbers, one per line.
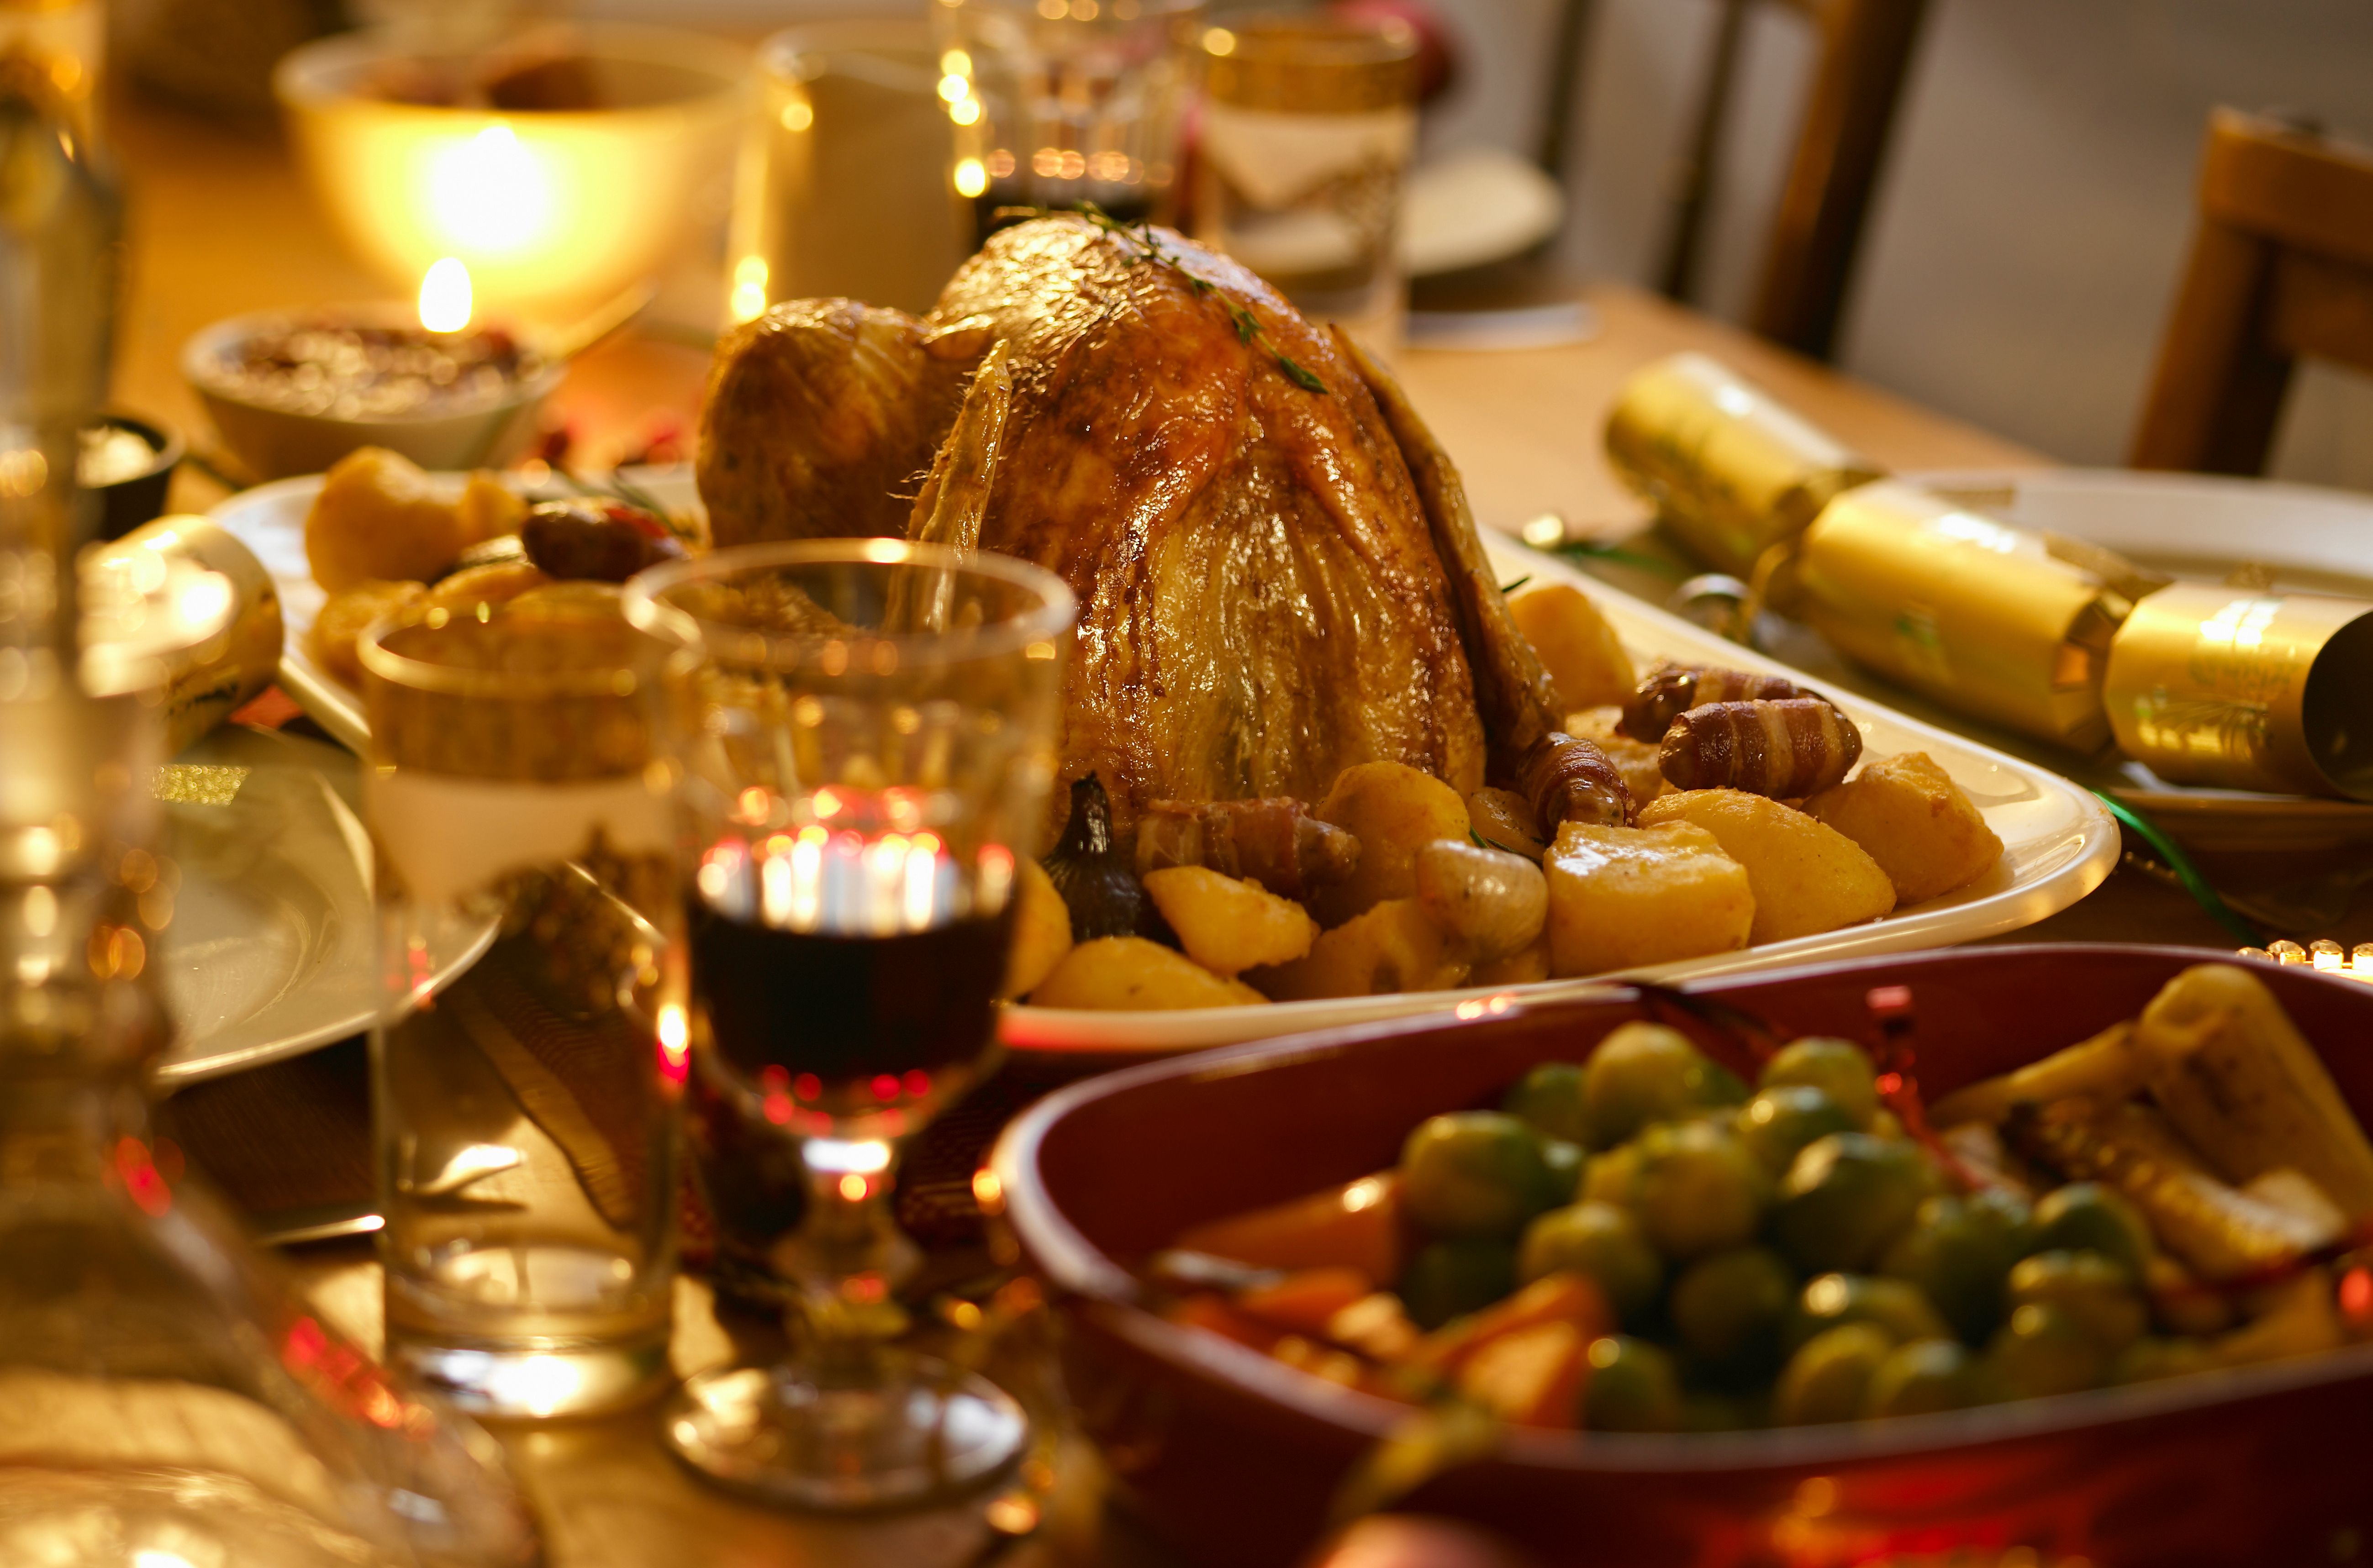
(219,225)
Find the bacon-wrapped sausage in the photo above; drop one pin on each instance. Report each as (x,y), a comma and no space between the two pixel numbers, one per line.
(1276,842)
(1786,750)
(1570,779)
(1671,690)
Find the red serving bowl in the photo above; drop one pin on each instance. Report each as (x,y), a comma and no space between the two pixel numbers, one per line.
(1234,1457)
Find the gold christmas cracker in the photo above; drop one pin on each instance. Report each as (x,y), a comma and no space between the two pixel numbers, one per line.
(205,683)
(2246,689)
(198,783)
(1990,620)
(1731,472)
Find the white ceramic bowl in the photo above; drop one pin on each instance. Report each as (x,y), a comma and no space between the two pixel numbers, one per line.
(277,443)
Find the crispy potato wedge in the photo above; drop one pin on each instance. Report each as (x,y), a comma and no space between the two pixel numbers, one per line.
(1042,930)
(1128,974)
(1229,924)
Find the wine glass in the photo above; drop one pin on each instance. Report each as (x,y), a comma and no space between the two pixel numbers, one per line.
(871,758)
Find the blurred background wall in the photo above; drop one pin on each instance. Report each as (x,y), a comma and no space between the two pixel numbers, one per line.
(2032,218)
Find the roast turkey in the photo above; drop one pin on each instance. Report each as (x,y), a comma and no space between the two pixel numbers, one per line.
(1278,573)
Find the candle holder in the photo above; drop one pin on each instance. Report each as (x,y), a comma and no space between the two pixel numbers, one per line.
(554,211)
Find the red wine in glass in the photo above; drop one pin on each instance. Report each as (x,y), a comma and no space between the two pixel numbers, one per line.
(848,990)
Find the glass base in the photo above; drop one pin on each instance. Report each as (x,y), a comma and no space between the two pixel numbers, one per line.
(922,1430)
(530,1383)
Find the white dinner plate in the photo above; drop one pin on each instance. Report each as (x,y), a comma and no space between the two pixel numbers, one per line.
(2059,842)
(1468,209)
(269,951)
(2193,526)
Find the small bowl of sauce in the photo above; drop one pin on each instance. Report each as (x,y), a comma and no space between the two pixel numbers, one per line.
(126,465)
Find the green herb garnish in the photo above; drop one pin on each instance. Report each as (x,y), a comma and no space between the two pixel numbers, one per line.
(1149,247)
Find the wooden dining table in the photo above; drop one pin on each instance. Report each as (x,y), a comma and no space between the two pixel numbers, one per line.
(219,224)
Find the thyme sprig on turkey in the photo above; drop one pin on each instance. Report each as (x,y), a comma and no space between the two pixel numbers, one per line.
(1150,249)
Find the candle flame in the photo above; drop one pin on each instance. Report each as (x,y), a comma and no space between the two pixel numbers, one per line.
(445,296)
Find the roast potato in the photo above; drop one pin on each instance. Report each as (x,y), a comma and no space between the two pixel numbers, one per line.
(1585,658)
(1395,946)
(1392,809)
(1806,875)
(1640,763)
(1042,930)
(1521,967)
(1228,925)
(1909,815)
(1128,974)
(488,507)
(348,614)
(376,516)
(1624,896)
(497,582)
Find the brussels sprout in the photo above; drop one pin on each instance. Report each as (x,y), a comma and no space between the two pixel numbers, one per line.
(2045,1349)
(1643,1073)
(1728,1307)
(1551,1097)
(1450,1278)
(1830,1378)
(1607,1178)
(2096,1293)
(1958,1251)
(2148,1360)
(1704,1409)
(1698,1189)
(1923,1378)
(1720,1088)
(1599,1240)
(1475,1174)
(1839,1069)
(1779,1122)
(1835,1299)
(1633,1387)
(2006,1214)
(1847,1196)
(1565,1162)
(2084,1216)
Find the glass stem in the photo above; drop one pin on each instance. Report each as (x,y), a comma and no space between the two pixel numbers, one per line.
(847,1259)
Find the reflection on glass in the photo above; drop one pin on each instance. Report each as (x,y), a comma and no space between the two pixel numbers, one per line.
(1064,103)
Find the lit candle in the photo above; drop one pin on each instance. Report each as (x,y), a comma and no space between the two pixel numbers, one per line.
(445,296)
(2326,956)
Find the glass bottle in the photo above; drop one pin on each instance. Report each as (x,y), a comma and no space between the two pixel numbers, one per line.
(163,1403)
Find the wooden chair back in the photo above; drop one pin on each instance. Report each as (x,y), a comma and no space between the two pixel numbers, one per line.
(2281,269)
(1865,51)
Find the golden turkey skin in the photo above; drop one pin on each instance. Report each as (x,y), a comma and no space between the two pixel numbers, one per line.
(1266,597)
